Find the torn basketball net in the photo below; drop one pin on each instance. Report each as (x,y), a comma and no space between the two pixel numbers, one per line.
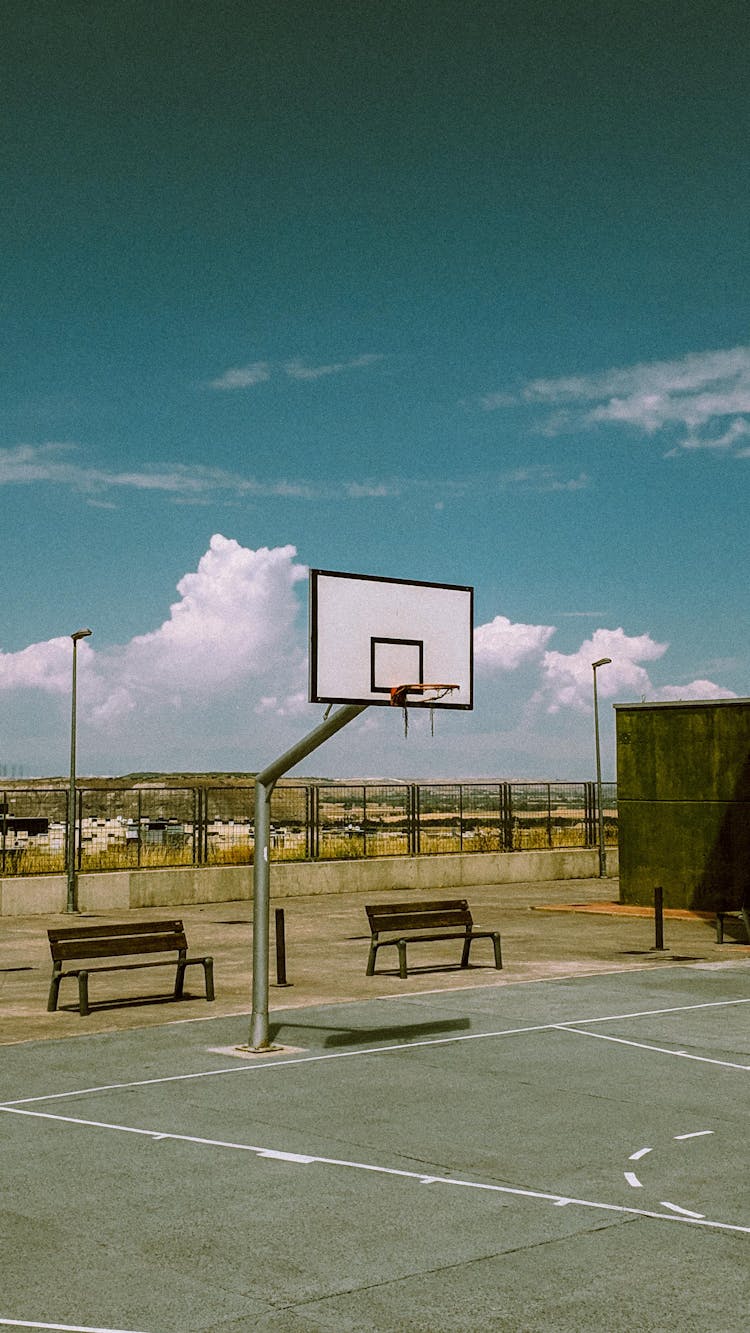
(400,699)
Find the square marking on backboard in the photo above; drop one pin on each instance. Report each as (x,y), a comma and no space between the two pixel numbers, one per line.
(395,662)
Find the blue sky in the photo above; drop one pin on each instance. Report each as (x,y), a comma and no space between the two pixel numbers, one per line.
(433,290)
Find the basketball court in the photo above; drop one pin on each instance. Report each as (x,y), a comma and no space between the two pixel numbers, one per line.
(565,1154)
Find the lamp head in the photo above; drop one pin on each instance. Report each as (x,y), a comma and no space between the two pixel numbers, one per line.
(80,634)
(603,661)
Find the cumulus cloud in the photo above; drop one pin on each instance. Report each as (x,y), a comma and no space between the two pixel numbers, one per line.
(502,645)
(567,677)
(43,666)
(233,622)
(697,689)
(704,396)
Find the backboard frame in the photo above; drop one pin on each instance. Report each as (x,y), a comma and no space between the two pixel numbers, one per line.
(388,654)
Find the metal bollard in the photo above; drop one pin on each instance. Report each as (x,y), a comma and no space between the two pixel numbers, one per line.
(280,949)
(659,918)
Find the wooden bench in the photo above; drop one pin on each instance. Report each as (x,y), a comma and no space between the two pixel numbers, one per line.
(736,914)
(430,921)
(78,943)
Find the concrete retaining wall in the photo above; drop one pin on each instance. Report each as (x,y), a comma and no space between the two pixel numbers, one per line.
(683,784)
(121,890)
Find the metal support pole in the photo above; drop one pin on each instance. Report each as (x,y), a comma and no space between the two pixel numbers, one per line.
(71,904)
(603,661)
(264,785)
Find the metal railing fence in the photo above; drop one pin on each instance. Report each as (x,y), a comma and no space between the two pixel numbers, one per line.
(149,827)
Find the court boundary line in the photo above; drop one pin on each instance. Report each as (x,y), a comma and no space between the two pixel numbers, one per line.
(645,1046)
(422,1177)
(277,1063)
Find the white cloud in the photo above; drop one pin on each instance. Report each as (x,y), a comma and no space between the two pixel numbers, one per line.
(501,645)
(705,394)
(259,372)
(297,370)
(697,689)
(242,377)
(233,623)
(568,677)
(43,666)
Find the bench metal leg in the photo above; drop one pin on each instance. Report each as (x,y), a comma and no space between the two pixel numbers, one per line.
(744,917)
(401,946)
(208,968)
(466,951)
(83,992)
(208,972)
(370,970)
(54,991)
(498,952)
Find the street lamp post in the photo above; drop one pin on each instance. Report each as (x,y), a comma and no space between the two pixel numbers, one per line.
(72,898)
(603,661)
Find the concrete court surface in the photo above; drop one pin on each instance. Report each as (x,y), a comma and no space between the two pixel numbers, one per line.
(560,1155)
(558,1146)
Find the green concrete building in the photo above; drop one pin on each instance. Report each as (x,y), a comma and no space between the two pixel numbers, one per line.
(683,783)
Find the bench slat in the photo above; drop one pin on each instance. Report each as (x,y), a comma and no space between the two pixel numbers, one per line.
(129,928)
(419,920)
(119,946)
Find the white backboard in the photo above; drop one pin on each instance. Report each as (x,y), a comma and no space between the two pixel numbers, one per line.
(369,634)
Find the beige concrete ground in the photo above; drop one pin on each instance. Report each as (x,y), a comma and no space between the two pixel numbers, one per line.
(583,930)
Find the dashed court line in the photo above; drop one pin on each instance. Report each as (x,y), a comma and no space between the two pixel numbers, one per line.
(422,1178)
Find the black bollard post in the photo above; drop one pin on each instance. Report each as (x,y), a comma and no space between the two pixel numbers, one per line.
(280,949)
(659,918)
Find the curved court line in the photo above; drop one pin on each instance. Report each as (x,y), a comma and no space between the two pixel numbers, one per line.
(276,1063)
(423,1178)
(684,1212)
(644,1046)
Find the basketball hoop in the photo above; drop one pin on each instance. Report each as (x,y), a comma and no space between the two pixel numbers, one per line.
(399,699)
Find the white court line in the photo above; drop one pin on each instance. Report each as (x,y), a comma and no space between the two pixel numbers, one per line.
(644,1046)
(276,1063)
(68,1328)
(684,1212)
(697,1134)
(636,1156)
(633,1180)
(559,1200)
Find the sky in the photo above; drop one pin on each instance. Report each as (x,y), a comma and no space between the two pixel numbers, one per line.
(444,290)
